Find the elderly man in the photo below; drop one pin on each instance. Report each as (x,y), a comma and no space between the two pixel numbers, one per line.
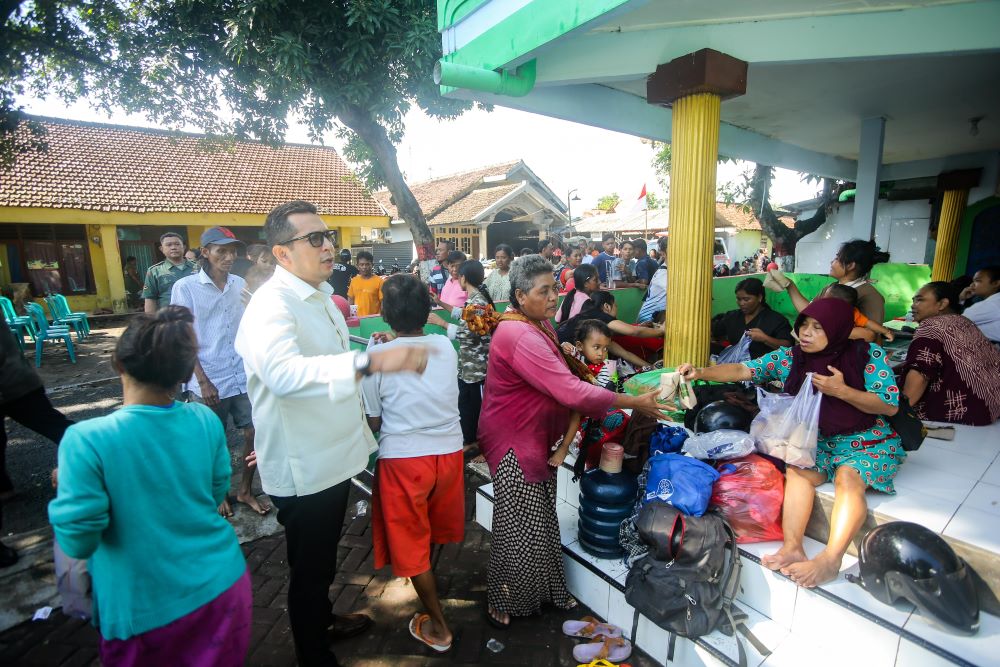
(160,277)
(214,297)
(312,435)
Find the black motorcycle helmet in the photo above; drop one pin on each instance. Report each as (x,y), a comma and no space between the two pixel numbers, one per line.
(905,560)
(719,415)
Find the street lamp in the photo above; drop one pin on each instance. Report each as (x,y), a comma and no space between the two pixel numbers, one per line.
(569,205)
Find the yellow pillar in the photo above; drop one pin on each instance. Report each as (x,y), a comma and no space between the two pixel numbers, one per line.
(694,154)
(946,250)
(194,233)
(113,263)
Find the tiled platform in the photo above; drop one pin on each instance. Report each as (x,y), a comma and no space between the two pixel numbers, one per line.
(950,487)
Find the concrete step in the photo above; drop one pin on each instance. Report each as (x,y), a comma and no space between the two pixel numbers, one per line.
(798,625)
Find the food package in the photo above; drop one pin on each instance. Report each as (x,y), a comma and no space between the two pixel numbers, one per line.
(674,388)
(776,281)
(787,427)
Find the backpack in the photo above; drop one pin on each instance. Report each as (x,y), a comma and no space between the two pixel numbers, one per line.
(691,594)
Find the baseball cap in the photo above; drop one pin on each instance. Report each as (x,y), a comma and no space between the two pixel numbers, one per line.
(219,236)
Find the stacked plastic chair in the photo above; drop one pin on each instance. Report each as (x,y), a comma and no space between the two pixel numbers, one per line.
(61,316)
(45,331)
(19,324)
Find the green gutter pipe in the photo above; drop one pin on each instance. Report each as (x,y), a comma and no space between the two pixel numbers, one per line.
(517,84)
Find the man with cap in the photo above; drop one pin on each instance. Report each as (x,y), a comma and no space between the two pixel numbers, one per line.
(160,277)
(213,295)
(343,272)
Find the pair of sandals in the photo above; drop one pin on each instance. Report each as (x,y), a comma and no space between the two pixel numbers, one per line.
(606,641)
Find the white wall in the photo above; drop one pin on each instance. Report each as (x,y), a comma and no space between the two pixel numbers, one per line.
(743,245)
(901,229)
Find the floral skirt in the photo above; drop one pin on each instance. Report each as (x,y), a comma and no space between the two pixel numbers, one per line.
(526,565)
(875,453)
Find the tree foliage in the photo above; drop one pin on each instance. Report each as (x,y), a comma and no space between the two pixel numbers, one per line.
(243,68)
(750,192)
(653,202)
(608,202)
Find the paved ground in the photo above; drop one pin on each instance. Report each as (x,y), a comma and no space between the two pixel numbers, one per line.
(461,570)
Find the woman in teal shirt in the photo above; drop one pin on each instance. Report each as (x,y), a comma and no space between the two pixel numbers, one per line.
(138,492)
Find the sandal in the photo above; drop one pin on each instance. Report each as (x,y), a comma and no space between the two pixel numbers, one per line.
(416,629)
(614,649)
(589,627)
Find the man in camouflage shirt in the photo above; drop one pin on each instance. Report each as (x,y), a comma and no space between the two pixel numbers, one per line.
(160,277)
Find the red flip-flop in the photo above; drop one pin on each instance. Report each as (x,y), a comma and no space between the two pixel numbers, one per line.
(416,629)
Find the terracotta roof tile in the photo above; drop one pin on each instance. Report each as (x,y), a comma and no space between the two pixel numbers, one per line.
(467,207)
(95,166)
(738,217)
(437,194)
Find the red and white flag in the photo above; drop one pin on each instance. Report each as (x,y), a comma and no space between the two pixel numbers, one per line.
(640,203)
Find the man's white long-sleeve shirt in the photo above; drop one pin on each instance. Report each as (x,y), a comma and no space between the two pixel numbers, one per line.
(307,410)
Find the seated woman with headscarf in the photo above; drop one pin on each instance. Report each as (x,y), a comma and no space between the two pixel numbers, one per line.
(951,372)
(857,449)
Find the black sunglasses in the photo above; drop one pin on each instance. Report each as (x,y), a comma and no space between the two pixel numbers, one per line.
(316,238)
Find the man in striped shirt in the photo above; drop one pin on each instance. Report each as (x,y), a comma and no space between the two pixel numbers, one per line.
(213,295)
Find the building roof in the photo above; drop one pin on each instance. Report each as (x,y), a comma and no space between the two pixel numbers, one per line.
(472,204)
(97,166)
(438,194)
(726,215)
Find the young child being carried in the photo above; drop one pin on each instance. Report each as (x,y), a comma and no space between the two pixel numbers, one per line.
(844,293)
(592,340)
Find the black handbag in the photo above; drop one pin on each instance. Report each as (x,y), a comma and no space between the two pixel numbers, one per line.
(907,425)
(675,537)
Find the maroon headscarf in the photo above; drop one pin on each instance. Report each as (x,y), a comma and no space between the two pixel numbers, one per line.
(836,417)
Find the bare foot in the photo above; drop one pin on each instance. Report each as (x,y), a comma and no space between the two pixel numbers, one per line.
(257,506)
(436,635)
(501,617)
(225,510)
(811,573)
(783,557)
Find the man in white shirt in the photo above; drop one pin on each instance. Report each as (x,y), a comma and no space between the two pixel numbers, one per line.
(986,313)
(213,295)
(312,437)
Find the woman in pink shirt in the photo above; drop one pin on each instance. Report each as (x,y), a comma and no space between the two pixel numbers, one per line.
(585,281)
(533,387)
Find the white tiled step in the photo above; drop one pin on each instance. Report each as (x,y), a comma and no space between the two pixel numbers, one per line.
(791,621)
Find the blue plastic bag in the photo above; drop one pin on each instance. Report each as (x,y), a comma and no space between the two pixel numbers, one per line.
(682,481)
(735,354)
(667,440)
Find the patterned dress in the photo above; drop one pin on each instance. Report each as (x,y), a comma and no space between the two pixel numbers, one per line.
(875,452)
(962,368)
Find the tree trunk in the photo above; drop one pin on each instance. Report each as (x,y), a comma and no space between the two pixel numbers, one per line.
(374,135)
(785,239)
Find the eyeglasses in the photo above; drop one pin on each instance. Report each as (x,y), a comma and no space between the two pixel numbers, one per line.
(316,238)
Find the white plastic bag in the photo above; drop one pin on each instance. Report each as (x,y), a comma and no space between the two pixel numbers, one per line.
(787,427)
(73,584)
(718,445)
(735,354)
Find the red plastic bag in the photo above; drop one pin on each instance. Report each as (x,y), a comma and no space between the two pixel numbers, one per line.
(749,494)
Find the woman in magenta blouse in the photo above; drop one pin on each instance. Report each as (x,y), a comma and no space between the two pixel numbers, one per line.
(531,389)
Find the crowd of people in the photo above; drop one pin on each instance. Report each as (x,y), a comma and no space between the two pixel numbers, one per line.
(270,352)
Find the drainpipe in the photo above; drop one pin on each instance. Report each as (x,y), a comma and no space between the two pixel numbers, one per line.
(516,84)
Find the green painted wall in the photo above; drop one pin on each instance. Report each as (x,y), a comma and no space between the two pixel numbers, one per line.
(897,283)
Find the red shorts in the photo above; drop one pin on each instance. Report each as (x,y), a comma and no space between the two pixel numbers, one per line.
(415,503)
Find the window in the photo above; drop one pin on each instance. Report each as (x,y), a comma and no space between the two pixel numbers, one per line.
(55,259)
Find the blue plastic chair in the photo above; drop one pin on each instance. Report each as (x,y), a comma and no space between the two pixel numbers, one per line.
(64,310)
(19,324)
(58,319)
(46,332)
